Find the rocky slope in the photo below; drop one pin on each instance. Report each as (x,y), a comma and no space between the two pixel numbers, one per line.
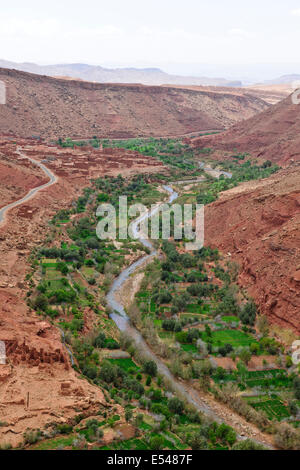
(273,135)
(51,108)
(271,94)
(17,178)
(258,225)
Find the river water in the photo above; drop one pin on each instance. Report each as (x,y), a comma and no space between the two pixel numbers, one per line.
(122,321)
(124,324)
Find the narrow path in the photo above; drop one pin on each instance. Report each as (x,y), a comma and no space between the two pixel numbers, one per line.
(32,192)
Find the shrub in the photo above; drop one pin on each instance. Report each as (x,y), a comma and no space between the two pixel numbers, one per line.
(176,406)
(287,438)
(150,368)
(248,444)
(41,302)
(156,443)
(248,314)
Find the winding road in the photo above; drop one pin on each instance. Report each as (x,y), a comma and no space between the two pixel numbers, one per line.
(32,192)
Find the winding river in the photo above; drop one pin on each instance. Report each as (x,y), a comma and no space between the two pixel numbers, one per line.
(124,324)
(122,321)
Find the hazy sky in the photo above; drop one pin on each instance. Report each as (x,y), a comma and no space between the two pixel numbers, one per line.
(231,37)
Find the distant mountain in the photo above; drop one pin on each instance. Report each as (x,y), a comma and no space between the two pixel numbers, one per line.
(285,79)
(95,73)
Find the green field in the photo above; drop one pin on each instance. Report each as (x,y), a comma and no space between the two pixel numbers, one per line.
(275,377)
(195,308)
(274,408)
(234,337)
(189,348)
(230,319)
(87,272)
(125,364)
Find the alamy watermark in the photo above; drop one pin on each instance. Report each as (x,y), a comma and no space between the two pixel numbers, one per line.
(2,93)
(296,93)
(161,222)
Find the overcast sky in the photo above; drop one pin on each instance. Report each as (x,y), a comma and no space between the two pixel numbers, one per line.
(232,38)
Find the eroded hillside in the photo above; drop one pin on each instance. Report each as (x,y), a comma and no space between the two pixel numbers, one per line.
(258,225)
(51,108)
(272,135)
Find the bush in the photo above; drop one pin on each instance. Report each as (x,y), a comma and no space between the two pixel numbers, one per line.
(287,438)
(150,368)
(247,445)
(40,303)
(176,406)
(248,314)
(156,443)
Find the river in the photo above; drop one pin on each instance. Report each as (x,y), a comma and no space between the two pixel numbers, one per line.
(124,324)
(122,321)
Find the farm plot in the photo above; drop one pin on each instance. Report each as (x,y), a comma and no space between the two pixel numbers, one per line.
(125,364)
(234,337)
(274,408)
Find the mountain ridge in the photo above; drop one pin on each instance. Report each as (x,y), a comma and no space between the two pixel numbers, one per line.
(101,74)
(50,108)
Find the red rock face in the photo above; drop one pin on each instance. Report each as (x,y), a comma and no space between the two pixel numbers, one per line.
(273,135)
(53,108)
(259,225)
(17,353)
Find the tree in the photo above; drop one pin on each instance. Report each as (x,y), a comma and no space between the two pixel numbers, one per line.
(148,381)
(293,408)
(156,443)
(63,268)
(176,406)
(128,415)
(150,368)
(107,372)
(254,348)
(225,350)
(198,442)
(287,438)
(41,302)
(245,356)
(248,314)
(263,325)
(100,341)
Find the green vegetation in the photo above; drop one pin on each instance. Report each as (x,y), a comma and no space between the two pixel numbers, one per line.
(189,309)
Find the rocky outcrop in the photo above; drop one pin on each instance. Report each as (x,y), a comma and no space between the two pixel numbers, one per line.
(260,227)
(18,353)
